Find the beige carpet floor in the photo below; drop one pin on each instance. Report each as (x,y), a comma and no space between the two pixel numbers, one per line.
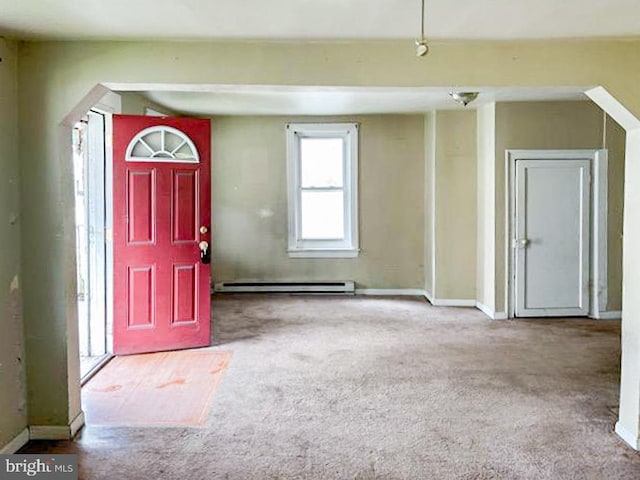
(383,388)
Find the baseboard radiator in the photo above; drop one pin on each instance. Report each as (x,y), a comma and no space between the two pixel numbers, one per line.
(346,288)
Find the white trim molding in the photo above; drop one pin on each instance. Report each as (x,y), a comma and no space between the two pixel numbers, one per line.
(627,436)
(16,443)
(57,432)
(490,313)
(428,296)
(302,246)
(76,425)
(326,253)
(454,302)
(448,302)
(608,315)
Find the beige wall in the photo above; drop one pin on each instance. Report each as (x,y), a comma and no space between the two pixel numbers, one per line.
(54,77)
(486,242)
(13,411)
(455,205)
(429,203)
(134,103)
(614,142)
(555,125)
(249,186)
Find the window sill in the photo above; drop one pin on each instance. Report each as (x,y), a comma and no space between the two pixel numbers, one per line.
(325,253)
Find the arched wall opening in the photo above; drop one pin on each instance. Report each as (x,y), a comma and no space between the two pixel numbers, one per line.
(54,79)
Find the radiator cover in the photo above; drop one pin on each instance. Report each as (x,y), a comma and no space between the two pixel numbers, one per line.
(346,287)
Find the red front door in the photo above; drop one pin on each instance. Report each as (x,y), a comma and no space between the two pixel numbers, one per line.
(161,217)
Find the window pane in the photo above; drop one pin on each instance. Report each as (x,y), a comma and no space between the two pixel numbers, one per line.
(322,215)
(321,162)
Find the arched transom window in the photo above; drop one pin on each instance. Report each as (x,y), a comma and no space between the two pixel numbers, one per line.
(162,143)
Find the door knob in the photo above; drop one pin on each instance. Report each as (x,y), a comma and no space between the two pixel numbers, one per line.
(521,243)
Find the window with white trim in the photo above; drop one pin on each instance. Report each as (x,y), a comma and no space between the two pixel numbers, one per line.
(322,166)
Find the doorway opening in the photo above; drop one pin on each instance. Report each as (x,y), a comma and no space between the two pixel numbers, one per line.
(90,194)
(556,225)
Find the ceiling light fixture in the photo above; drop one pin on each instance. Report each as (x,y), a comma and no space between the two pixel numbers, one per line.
(421,45)
(464,98)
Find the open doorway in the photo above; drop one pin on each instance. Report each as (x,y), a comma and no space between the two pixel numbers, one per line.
(159,199)
(165,171)
(89,164)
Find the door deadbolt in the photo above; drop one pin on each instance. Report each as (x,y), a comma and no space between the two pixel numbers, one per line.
(205,254)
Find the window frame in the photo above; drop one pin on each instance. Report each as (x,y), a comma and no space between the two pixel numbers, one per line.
(346,247)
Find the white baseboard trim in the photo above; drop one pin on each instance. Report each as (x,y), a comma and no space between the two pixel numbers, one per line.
(490,313)
(76,424)
(57,432)
(390,291)
(451,302)
(429,297)
(609,315)
(448,302)
(627,436)
(17,443)
(484,309)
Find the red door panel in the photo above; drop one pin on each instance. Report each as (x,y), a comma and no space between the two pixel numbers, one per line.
(161,199)
(141,206)
(185,294)
(184,195)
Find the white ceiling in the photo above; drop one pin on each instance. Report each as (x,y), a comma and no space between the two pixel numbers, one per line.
(318,19)
(280,100)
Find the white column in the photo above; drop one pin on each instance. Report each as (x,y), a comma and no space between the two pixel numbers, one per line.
(628,425)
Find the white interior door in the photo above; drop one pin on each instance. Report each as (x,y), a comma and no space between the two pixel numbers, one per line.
(552,238)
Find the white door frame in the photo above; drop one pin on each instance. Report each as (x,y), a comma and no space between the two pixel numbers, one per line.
(598,220)
(108,105)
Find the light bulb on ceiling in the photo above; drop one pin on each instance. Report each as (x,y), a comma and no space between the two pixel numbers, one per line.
(421,48)
(464,98)
(421,45)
